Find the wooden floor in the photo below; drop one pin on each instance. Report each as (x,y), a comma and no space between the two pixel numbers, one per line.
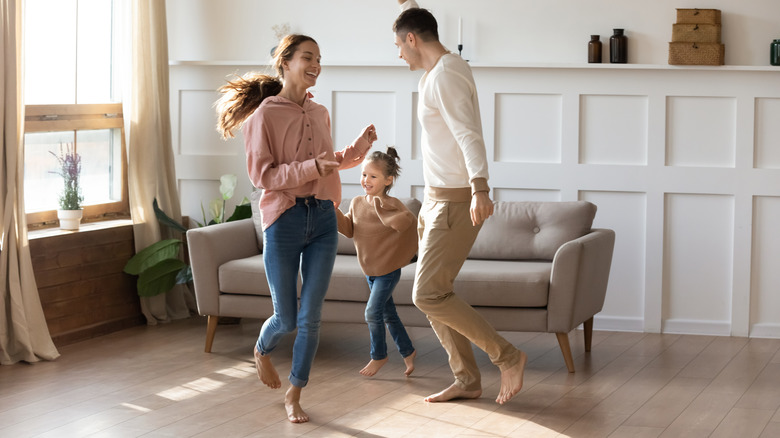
(155,381)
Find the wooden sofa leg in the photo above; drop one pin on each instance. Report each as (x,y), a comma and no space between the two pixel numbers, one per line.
(587,327)
(563,341)
(211,329)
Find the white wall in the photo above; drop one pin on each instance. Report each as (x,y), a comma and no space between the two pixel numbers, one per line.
(494,31)
(683,162)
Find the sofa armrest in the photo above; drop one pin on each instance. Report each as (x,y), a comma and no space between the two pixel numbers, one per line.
(209,248)
(578,281)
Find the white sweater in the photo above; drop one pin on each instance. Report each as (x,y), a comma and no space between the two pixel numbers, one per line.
(452,146)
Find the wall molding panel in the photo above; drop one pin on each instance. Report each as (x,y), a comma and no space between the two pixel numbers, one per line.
(684,163)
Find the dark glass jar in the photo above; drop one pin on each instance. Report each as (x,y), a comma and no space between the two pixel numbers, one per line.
(774,52)
(618,47)
(594,50)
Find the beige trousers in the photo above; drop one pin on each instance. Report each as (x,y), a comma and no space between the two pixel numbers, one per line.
(446,237)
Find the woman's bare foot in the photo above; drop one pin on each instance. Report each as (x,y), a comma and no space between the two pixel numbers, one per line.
(409,362)
(372,367)
(512,380)
(292,404)
(266,371)
(451,393)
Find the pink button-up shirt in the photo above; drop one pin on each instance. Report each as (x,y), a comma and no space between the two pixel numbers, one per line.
(282,139)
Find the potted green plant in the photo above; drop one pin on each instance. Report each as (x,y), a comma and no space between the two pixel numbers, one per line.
(70,211)
(159,267)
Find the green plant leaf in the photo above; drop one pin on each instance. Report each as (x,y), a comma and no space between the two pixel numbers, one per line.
(151,255)
(165,219)
(242,211)
(159,278)
(185,275)
(228,185)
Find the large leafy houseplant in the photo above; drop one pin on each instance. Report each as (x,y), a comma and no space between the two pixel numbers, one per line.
(158,266)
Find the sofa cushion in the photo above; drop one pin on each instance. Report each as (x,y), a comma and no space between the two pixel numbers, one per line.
(531,230)
(499,283)
(244,276)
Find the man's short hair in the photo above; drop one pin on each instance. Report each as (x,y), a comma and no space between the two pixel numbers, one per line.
(419,22)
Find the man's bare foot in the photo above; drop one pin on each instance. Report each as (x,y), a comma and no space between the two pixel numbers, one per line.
(512,380)
(409,362)
(372,367)
(292,404)
(451,393)
(266,371)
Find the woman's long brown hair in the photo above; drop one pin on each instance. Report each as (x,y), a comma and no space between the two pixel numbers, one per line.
(242,95)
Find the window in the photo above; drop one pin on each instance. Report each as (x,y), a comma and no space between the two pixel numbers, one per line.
(71,95)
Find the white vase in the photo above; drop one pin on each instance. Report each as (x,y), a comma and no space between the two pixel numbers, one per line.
(69,219)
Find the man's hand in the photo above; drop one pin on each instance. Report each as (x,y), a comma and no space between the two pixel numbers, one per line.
(324,166)
(481,207)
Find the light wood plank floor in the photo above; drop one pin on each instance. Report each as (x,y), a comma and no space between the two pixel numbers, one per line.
(155,381)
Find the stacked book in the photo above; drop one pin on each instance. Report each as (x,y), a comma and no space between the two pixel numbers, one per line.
(696,38)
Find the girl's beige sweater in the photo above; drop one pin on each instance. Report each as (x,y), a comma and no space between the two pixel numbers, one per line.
(384,233)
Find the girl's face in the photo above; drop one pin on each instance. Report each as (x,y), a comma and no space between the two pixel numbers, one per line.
(304,67)
(374,180)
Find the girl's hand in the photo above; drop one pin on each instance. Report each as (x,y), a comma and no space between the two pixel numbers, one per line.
(324,166)
(369,133)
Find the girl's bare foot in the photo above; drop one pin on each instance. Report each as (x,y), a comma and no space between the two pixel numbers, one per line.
(266,371)
(372,367)
(512,380)
(409,362)
(292,404)
(451,393)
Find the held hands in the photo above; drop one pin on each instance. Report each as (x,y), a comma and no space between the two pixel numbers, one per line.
(324,166)
(481,207)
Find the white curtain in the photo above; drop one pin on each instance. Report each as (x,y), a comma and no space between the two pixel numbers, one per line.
(151,172)
(24,335)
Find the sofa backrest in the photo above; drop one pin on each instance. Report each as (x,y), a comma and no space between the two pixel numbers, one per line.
(346,246)
(531,230)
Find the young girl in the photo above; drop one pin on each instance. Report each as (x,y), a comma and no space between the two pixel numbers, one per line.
(290,156)
(385,237)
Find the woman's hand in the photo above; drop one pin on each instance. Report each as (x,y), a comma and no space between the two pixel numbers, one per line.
(324,166)
(369,133)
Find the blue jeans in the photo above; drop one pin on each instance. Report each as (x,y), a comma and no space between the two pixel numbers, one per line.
(304,238)
(380,310)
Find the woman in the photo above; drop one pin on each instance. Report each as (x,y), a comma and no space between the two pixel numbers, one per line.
(290,156)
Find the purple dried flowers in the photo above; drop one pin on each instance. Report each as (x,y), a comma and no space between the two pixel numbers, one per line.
(70,170)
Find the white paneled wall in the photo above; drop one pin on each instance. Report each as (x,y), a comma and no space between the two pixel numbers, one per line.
(683,163)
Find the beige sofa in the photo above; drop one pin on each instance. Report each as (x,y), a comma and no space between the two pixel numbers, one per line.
(535,267)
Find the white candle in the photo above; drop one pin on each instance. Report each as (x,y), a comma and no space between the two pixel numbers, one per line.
(460,30)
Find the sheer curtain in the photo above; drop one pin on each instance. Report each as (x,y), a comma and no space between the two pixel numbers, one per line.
(24,335)
(151,172)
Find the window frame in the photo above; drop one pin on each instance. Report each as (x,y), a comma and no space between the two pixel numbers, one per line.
(75,117)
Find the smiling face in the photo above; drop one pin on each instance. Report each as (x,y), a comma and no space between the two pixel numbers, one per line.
(374,180)
(304,67)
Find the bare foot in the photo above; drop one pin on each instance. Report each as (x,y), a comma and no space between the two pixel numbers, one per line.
(451,393)
(372,367)
(266,371)
(512,380)
(292,404)
(409,361)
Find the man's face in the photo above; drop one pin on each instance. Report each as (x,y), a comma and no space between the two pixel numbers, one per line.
(407,51)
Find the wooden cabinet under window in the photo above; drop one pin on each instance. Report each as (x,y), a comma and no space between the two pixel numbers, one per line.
(83,290)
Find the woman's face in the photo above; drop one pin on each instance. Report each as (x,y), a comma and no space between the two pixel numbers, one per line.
(304,67)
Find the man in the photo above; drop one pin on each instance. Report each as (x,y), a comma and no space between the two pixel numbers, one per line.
(456,204)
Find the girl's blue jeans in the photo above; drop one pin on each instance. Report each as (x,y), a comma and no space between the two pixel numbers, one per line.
(304,239)
(380,311)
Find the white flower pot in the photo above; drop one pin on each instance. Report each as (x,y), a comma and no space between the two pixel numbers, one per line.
(69,219)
